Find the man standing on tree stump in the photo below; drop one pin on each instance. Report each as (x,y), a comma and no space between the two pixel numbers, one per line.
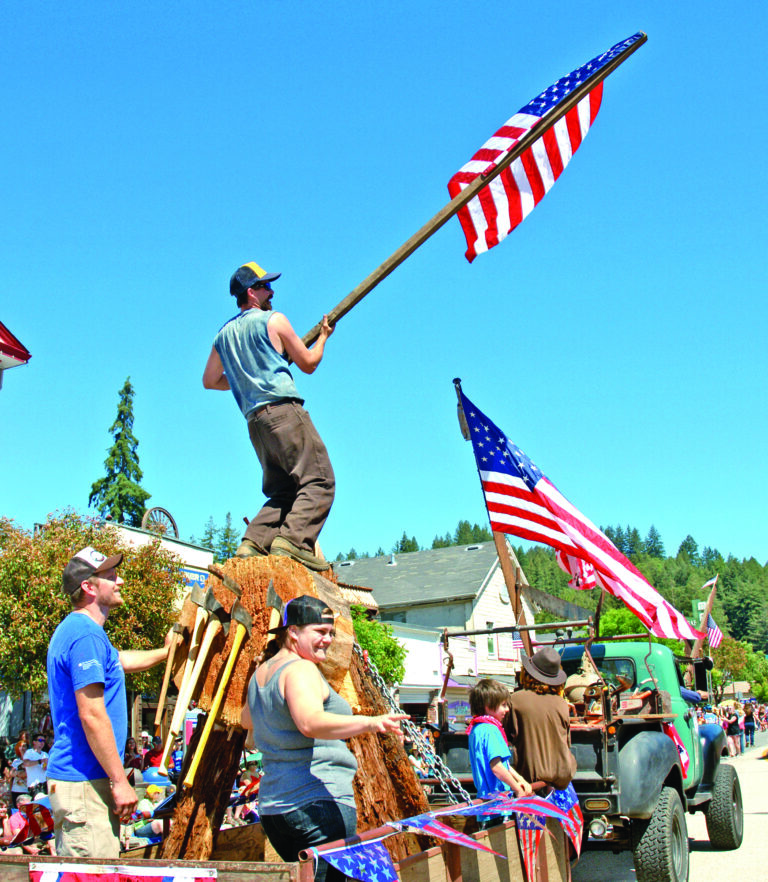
(250,357)
(89,791)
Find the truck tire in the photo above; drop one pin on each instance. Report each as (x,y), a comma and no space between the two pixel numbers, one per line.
(660,845)
(725,813)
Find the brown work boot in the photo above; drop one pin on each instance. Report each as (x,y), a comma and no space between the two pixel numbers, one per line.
(249,548)
(285,548)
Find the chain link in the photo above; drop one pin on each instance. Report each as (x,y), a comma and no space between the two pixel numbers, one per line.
(437,767)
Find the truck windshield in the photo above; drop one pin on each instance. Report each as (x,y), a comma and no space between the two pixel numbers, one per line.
(610,669)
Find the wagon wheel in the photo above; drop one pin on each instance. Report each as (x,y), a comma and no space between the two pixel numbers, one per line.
(159,521)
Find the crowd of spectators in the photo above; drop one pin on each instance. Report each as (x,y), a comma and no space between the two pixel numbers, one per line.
(740,722)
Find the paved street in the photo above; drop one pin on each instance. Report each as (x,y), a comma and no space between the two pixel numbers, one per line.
(707,865)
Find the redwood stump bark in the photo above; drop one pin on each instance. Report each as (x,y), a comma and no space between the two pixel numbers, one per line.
(386,785)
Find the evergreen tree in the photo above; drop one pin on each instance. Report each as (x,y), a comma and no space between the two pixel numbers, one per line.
(633,544)
(616,535)
(209,534)
(689,550)
(653,545)
(442,541)
(463,533)
(404,544)
(118,495)
(227,540)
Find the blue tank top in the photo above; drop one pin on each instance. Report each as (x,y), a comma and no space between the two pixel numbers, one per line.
(257,373)
(297,770)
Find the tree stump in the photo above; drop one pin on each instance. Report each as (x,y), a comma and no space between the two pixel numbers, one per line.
(386,785)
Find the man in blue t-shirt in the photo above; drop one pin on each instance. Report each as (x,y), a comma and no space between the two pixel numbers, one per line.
(250,357)
(87,785)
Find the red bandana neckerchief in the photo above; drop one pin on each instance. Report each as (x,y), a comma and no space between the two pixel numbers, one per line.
(484,718)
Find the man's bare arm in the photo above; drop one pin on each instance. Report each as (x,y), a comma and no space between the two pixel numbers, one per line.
(305,359)
(135,660)
(101,739)
(213,375)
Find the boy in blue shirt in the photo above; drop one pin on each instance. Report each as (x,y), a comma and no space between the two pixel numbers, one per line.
(489,751)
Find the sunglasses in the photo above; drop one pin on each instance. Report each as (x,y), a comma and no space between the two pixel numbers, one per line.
(266,285)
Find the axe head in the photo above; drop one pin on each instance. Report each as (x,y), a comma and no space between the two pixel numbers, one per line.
(229,582)
(197,595)
(241,616)
(217,611)
(274,605)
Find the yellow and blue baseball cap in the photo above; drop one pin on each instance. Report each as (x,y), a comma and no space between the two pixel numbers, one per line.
(247,275)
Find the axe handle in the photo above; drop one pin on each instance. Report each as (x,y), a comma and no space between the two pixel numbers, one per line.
(218,698)
(201,617)
(211,630)
(177,638)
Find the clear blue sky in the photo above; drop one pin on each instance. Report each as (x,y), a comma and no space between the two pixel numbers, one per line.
(617,336)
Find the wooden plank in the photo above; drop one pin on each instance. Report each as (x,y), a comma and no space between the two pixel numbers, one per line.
(16,869)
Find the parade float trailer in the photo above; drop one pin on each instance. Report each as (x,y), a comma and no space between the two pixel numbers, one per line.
(243,595)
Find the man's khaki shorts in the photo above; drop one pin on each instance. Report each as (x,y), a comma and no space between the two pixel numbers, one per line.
(84,823)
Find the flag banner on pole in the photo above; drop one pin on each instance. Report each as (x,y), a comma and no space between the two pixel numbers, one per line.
(521,501)
(714,634)
(685,759)
(569,803)
(583,573)
(430,825)
(73,872)
(511,196)
(529,830)
(366,861)
(710,583)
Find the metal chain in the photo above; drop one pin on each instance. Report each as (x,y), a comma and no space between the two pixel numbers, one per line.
(451,785)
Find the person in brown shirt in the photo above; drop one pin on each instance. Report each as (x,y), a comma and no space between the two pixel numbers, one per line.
(537,723)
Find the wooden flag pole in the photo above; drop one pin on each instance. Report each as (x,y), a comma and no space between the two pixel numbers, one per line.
(461,199)
(697,651)
(698,646)
(512,574)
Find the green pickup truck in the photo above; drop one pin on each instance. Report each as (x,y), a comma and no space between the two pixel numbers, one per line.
(644,760)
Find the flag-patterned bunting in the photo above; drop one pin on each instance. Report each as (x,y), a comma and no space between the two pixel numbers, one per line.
(430,825)
(569,803)
(366,861)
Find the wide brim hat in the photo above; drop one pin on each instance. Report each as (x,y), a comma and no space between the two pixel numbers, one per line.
(247,276)
(545,666)
(304,610)
(86,563)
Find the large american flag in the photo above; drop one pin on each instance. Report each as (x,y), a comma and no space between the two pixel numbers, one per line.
(523,502)
(511,196)
(714,634)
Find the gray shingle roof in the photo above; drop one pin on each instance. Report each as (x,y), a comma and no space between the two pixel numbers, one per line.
(431,576)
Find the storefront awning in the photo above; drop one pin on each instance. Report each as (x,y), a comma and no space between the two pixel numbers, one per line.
(12,350)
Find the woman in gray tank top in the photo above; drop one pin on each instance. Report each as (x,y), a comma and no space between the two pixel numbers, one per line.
(299,724)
